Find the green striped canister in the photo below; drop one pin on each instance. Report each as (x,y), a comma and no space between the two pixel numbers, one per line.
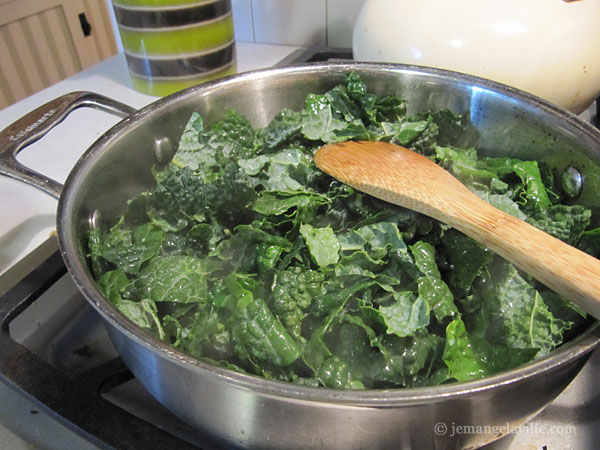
(174,44)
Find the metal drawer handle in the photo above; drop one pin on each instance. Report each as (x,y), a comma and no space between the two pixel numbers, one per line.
(37,124)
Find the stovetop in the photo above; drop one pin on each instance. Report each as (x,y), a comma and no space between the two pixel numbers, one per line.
(63,385)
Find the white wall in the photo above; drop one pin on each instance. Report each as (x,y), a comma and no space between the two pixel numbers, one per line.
(296,22)
(302,23)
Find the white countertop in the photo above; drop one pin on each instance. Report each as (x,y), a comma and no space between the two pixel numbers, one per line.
(28,215)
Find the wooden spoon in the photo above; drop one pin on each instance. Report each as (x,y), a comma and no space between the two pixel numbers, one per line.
(403,177)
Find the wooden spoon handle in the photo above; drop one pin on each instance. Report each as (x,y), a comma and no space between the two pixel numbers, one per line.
(405,178)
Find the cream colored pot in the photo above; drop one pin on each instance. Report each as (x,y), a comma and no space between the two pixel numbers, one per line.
(550,48)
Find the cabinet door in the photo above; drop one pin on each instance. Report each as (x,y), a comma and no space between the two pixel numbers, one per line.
(45,41)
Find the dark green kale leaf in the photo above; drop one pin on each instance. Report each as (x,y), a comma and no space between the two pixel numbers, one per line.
(404,132)
(432,288)
(564,222)
(98,264)
(322,244)
(366,102)
(318,120)
(129,249)
(531,192)
(389,109)
(293,291)
(406,315)
(113,284)
(285,126)
(241,249)
(144,314)
(236,133)
(412,361)
(203,335)
(190,138)
(176,278)
(258,335)
(342,105)
(453,129)
(467,259)
(514,314)
(338,294)
(278,202)
(535,194)
(225,200)
(344,351)
(337,374)
(463,165)
(288,170)
(342,113)
(590,242)
(204,151)
(470,357)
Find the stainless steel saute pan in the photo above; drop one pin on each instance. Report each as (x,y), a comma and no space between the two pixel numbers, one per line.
(247,411)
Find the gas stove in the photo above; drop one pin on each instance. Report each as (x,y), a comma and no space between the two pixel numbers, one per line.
(62,384)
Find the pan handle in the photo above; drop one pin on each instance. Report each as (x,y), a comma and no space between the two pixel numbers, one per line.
(38,123)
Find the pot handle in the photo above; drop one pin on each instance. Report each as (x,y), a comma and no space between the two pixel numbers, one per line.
(38,123)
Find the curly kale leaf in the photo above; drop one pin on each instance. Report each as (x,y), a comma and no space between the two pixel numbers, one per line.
(129,249)
(406,315)
(293,291)
(467,259)
(564,222)
(514,314)
(470,357)
(432,288)
(257,334)
(412,361)
(113,284)
(176,278)
(185,198)
(144,314)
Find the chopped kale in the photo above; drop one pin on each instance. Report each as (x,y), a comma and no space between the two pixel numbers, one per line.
(245,255)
